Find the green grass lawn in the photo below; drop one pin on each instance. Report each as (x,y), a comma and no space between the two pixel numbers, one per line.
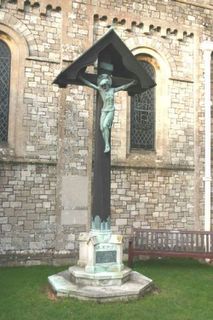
(185,292)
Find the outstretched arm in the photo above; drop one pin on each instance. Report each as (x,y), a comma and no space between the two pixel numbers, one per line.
(125,86)
(88,83)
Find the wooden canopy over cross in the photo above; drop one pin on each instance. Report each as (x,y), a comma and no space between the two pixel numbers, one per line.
(113,49)
(110,49)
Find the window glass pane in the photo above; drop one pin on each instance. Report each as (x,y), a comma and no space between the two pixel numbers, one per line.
(5,62)
(143,115)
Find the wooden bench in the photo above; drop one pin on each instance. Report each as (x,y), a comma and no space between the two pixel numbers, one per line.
(167,243)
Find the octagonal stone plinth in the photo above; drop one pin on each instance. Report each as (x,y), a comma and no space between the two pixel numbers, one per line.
(101,287)
(80,277)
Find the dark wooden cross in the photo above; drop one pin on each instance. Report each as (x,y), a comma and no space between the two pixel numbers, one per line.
(109,49)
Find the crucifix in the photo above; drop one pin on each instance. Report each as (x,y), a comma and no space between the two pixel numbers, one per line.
(102,162)
(107,93)
(117,70)
(100,263)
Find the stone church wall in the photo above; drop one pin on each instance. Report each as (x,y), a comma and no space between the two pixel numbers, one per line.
(179,150)
(28,198)
(157,199)
(47,163)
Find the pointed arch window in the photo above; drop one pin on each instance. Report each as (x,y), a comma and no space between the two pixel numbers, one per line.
(142,132)
(5,66)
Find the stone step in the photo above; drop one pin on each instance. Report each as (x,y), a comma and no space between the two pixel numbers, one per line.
(135,287)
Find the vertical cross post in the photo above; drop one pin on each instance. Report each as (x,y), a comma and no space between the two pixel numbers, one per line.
(102,164)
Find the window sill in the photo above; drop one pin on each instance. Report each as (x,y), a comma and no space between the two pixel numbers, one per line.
(142,159)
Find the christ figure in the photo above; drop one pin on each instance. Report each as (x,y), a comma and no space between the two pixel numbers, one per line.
(107,93)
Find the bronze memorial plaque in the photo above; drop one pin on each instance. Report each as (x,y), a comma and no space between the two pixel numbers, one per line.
(105,256)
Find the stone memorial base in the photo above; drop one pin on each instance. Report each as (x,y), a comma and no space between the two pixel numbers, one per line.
(101,287)
(100,274)
(100,251)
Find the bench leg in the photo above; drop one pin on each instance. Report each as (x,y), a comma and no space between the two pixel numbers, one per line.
(130,254)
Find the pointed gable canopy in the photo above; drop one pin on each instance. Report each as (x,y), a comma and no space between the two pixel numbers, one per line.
(126,67)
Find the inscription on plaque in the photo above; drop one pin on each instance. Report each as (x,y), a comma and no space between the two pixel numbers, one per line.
(105,256)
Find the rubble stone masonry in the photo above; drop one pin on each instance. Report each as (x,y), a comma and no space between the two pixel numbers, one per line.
(46,167)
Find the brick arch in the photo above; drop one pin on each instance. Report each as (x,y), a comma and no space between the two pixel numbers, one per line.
(18,30)
(156,49)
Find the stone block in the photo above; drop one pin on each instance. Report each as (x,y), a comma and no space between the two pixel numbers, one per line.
(121,222)
(3,220)
(6,227)
(74,192)
(72,217)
